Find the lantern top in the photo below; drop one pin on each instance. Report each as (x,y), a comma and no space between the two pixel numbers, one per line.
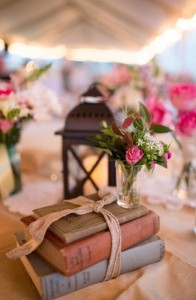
(87,117)
(97,92)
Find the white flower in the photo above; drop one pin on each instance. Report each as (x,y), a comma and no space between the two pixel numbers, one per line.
(42,100)
(153,144)
(126,95)
(8,104)
(140,142)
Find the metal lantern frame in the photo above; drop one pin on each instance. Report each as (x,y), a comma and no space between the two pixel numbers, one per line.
(81,123)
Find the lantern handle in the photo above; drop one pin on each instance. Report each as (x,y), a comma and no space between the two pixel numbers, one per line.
(94,94)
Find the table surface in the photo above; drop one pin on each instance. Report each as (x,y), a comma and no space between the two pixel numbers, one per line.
(172,278)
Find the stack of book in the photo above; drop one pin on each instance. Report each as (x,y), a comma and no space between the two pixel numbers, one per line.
(76,249)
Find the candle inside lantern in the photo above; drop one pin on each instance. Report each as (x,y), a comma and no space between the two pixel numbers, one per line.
(99,175)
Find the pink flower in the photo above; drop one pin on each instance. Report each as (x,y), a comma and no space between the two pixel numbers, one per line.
(186,124)
(159,113)
(108,80)
(167,155)
(133,155)
(5,125)
(183,96)
(6,90)
(152,164)
(122,75)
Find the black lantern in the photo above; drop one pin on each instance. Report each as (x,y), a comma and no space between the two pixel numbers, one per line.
(81,123)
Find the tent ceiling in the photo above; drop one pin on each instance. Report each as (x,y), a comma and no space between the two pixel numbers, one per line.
(102,24)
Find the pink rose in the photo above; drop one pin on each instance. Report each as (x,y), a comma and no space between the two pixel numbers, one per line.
(167,155)
(5,125)
(159,113)
(133,155)
(186,124)
(6,90)
(183,96)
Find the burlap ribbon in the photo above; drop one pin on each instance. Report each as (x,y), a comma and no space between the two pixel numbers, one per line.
(39,227)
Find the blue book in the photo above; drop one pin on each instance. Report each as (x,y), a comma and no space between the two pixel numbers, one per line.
(51,284)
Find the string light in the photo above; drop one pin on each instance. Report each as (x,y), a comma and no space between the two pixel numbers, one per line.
(112,55)
(186,24)
(37,51)
(159,44)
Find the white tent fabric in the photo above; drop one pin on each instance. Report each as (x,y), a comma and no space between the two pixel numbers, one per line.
(102,24)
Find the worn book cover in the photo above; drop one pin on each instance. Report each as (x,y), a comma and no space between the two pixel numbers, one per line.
(74,227)
(83,253)
(52,285)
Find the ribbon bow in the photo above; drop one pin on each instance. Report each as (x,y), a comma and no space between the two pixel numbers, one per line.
(39,227)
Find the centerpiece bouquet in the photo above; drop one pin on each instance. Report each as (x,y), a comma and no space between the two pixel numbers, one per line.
(21,99)
(132,144)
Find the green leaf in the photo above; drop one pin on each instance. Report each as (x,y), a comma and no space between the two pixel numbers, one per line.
(13,113)
(157,128)
(116,129)
(37,73)
(108,151)
(144,112)
(162,163)
(108,131)
(104,124)
(138,124)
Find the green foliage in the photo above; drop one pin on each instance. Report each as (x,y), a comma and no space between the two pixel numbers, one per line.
(144,112)
(13,113)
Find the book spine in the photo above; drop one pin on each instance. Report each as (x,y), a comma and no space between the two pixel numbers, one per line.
(56,285)
(87,252)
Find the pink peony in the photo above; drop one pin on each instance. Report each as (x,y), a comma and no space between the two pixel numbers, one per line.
(186,124)
(159,113)
(183,96)
(5,125)
(133,155)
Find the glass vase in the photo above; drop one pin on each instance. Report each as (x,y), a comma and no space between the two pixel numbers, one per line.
(185,189)
(127,185)
(186,183)
(15,162)
(10,173)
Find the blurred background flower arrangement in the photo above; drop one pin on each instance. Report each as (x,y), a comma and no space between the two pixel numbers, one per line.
(171,100)
(22,98)
(183,98)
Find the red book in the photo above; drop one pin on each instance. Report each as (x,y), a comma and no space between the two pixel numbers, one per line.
(85,252)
